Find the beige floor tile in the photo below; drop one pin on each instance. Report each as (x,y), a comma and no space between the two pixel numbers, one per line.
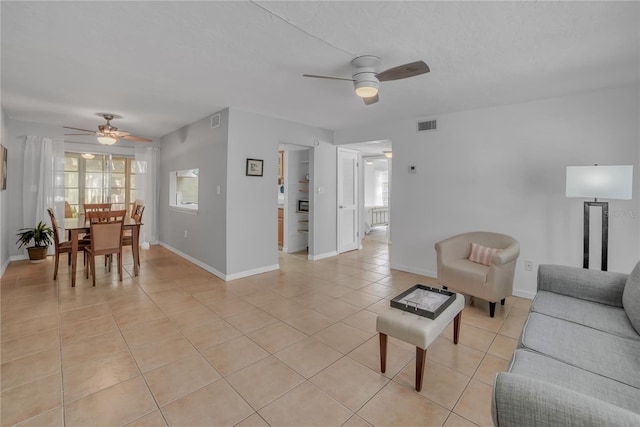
(154,419)
(127,318)
(349,383)
(29,368)
(179,378)
(310,322)
(470,336)
(234,354)
(74,316)
(264,381)
(456,420)
(313,408)
(440,384)
(260,299)
(396,405)
(85,378)
(154,354)
(342,337)
(512,326)
(489,367)
(28,327)
(131,398)
(251,320)
(254,420)
(475,403)
(208,334)
(93,348)
(379,290)
(276,337)
(193,317)
(213,405)
(456,356)
(29,344)
(71,332)
(31,399)
(503,347)
(80,300)
(308,357)
(231,308)
(149,331)
(51,418)
(337,309)
(368,354)
(365,320)
(356,421)
(284,309)
(360,299)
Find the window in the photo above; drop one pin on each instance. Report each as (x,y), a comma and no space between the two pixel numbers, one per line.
(102,179)
(183,188)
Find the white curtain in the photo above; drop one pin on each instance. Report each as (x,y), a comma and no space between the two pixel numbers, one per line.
(43,180)
(146,164)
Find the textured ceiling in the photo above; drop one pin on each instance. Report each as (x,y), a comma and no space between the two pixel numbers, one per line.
(162,65)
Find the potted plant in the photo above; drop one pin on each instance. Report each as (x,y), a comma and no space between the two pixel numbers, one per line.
(42,237)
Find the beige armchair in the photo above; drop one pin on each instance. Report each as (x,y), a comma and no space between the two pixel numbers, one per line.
(492,283)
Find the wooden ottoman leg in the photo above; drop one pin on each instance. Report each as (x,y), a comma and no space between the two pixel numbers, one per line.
(383,352)
(456,327)
(420,358)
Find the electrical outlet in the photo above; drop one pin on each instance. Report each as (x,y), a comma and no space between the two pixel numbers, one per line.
(528,265)
(185,234)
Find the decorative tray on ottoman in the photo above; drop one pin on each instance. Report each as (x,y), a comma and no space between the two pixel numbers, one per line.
(424,301)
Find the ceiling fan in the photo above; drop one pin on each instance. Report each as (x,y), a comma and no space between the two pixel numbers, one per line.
(366,80)
(108,134)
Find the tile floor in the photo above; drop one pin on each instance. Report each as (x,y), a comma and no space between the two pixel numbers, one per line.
(295,347)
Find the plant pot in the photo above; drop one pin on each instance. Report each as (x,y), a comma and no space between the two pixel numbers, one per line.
(38,254)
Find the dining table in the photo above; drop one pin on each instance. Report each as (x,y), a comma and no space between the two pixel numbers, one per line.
(80,225)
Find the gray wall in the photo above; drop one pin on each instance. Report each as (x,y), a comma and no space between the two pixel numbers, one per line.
(197,146)
(503,169)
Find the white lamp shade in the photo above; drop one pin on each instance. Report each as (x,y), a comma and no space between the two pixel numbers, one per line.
(107,140)
(605,182)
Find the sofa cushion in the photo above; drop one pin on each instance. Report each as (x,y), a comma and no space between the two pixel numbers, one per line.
(631,297)
(583,347)
(541,367)
(604,317)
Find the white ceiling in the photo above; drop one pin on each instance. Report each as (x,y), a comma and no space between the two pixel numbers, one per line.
(162,65)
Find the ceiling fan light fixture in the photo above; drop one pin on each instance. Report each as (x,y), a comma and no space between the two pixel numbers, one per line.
(366,88)
(107,140)
(388,154)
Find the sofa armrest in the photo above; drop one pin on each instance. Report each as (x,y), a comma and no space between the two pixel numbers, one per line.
(456,247)
(506,255)
(604,287)
(523,401)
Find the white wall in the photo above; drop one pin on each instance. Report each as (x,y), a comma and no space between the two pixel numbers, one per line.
(4,201)
(197,146)
(503,169)
(251,204)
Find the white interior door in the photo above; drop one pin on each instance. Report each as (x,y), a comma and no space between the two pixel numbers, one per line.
(347,200)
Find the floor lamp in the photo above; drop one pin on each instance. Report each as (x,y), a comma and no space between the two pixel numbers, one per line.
(605,182)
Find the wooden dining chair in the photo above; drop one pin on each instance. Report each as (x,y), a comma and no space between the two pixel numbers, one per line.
(96,207)
(106,239)
(136,214)
(61,247)
(106,216)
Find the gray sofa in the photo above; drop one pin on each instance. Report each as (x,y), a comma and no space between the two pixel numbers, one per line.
(578,361)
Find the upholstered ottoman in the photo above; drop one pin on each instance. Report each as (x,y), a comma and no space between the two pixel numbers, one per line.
(417,330)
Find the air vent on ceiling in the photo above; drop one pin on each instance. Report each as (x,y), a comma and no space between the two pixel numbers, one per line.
(215,121)
(429,125)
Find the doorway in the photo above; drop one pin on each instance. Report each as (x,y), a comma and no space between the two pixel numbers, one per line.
(348,200)
(293,198)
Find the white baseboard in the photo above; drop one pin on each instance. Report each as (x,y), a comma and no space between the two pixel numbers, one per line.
(4,266)
(523,294)
(18,257)
(252,272)
(221,275)
(195,261)
(322,256)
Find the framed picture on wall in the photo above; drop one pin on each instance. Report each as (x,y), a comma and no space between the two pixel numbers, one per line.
(254,167)
(3,167)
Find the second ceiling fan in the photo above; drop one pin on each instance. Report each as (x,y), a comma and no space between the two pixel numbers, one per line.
(367,81)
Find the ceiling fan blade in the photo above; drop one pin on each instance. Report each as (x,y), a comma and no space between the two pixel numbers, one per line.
(83,130)
(136,138)
(371,100)
(84,134)
(327,77)
(120,133)
(404,71)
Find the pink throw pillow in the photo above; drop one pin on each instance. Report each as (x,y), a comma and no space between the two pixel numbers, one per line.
(481,254)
